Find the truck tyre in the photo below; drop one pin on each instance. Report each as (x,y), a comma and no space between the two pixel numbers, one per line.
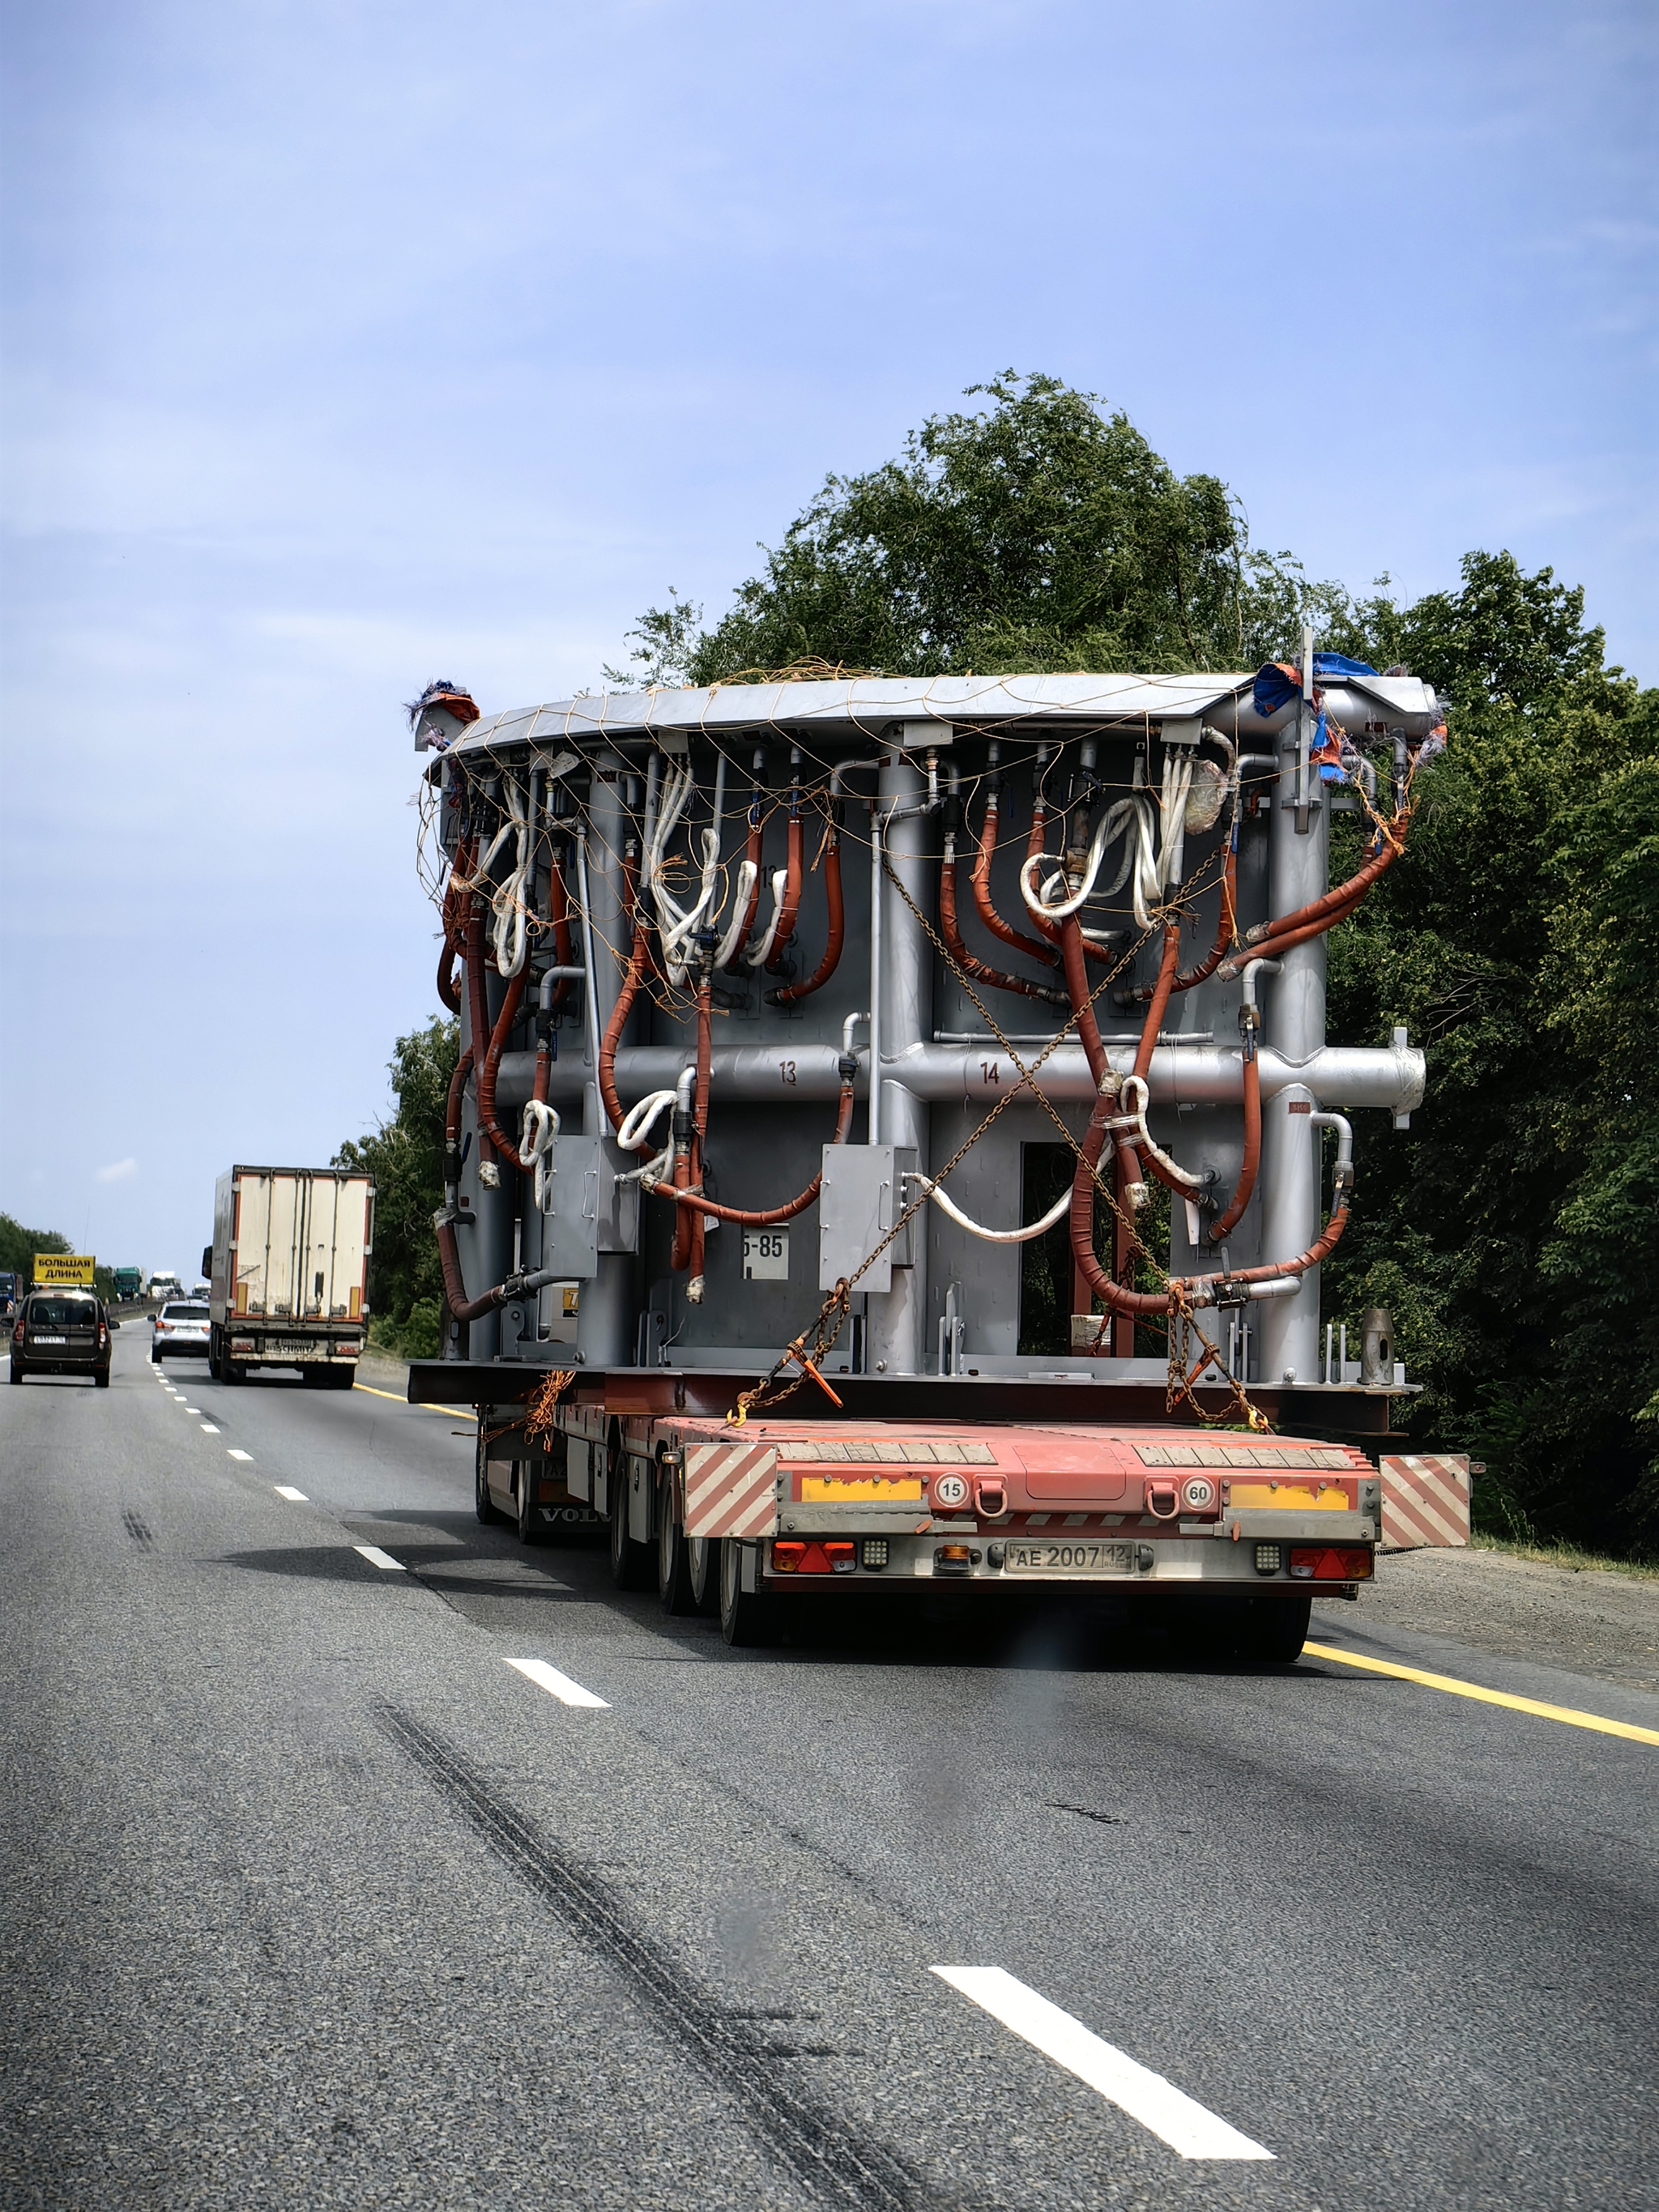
(213,1352)
(315,1378)
(1275,1629)
(747,1619)
(631,1564)
(482,1504)
(229,1373)
(673,1551)
(342,1378)
(532,1530)
(703,1559)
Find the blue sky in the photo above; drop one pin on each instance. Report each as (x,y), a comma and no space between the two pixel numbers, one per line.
(349,344)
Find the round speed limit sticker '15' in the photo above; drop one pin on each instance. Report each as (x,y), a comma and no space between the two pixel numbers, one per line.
(951,1490)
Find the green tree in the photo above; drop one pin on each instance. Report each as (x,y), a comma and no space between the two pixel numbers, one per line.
(1515,1232)
(404,1155)
(1037,533)
(18,1246)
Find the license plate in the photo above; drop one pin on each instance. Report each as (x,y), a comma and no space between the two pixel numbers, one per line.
(49,1339)
(1058,1556)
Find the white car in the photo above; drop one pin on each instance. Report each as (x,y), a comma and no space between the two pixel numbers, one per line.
(180,1326)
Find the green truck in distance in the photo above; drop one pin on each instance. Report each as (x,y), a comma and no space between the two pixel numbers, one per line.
(129,1282)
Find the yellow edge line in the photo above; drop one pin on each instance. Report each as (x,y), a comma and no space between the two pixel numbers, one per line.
(1566,1713)
(465,1413)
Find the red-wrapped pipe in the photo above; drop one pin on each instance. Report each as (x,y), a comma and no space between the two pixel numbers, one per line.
(1120,1300)
(558,913)
(790,906)
(500,1141)
(735,965)
(613,1028)
(767,1217)
(1270,948)
(834,901)
(987,912)
(1247,1174)
(951,934)
(1319,913)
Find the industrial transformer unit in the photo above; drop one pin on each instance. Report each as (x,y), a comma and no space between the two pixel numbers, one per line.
(895,1137)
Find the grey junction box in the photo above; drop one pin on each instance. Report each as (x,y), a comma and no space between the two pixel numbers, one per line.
(861,1198)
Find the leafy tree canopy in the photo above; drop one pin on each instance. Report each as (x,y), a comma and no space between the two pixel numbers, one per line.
(1037,533)
(405,1158)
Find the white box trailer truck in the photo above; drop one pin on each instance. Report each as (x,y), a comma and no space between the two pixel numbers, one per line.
(289,1272)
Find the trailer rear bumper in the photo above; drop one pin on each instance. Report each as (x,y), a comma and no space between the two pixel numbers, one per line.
(1082,1560)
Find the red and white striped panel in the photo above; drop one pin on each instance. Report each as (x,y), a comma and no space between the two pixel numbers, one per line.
(1425,1500)
(731,1489)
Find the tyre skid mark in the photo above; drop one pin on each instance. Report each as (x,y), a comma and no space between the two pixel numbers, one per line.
(830,2160)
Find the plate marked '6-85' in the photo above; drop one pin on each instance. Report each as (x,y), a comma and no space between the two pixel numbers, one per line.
(1027,1556)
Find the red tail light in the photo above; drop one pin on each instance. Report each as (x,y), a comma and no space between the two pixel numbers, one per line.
(1329,1563)
(17,1334)
(830,1558)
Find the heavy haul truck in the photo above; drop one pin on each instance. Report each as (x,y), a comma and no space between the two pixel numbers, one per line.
(922,1090)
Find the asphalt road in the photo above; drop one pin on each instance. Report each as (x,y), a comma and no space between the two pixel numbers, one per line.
(311,1898)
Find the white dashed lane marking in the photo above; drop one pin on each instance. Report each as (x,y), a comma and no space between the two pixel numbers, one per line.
(209,1429)
(377,1558)
(234,1454)
(561,1686)
(287,1490)
(1169,2113)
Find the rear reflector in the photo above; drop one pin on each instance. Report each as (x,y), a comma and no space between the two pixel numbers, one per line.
(1329,1563)
(828,1558)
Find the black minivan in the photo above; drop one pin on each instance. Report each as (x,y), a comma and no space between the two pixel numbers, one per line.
(61,1333)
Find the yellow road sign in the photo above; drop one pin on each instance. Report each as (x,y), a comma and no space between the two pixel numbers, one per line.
(53,1269)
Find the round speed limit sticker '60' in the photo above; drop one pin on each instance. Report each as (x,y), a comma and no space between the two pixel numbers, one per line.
(950,1490)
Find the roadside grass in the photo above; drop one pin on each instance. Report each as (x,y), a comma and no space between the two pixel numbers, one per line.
(1573,1557)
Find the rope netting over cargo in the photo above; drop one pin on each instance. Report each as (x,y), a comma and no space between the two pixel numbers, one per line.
(694,920)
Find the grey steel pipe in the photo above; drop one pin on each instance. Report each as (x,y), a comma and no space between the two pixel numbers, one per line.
(1390,1076)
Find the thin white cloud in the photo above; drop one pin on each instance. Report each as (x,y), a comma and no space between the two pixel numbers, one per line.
(118,1171)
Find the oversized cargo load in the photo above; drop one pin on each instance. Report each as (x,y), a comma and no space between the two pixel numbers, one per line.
(287,1271)
(926,1084)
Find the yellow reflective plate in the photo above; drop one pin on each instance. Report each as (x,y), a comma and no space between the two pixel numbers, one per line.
(1291,1496)
(826,1490)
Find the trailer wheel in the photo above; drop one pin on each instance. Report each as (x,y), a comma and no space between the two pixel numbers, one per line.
(483,1504)
(216,1356)
(1275,1629)
(704,1560)
(229,1373)
(673,1551)
(631,1564)
(746,1617)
